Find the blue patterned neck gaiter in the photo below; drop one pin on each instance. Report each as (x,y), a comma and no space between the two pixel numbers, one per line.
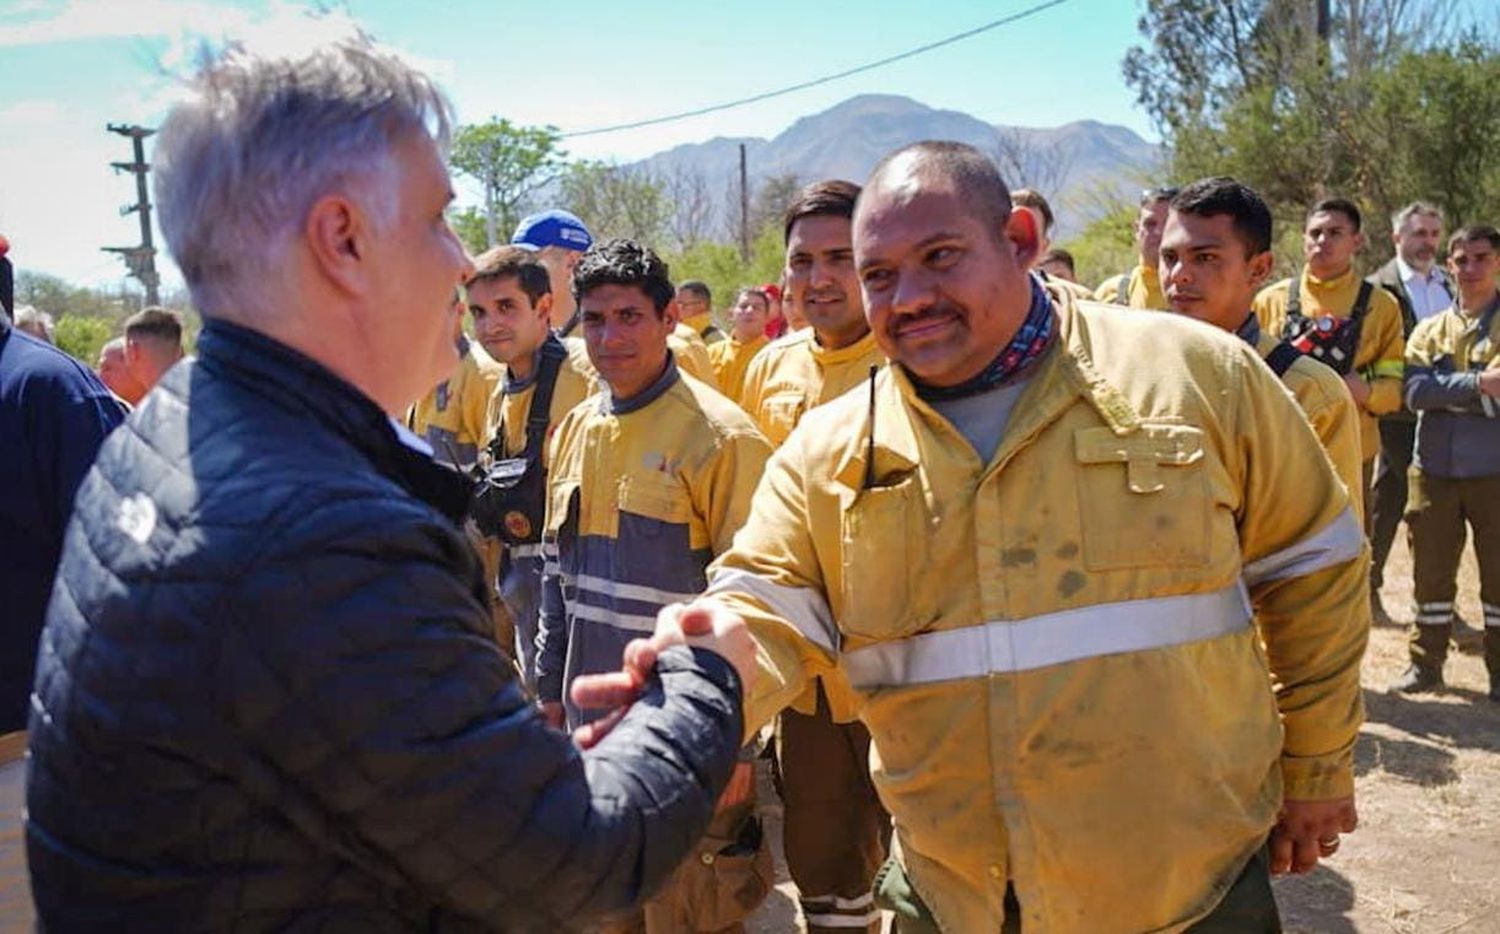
(1031,339)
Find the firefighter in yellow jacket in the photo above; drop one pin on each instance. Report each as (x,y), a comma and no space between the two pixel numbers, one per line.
(695,305)
(452,416)
(1215,254)
(1060,585)
(1141,286)
(1328,312)
(650,479)
(510,298)
(747,335)
(836,831)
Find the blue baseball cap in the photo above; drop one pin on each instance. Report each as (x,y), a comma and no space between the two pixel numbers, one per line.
(552,228)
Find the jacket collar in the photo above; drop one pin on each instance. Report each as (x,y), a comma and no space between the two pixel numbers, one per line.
(1065,373)
(294,381)
(609,405)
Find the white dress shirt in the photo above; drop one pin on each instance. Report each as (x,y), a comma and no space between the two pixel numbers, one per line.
(1429,294)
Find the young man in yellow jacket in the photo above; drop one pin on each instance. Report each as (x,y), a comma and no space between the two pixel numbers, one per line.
(836,830)
(510,298)
(1453,384)
(650,479)
(1060,586)
(695,302)
(1354,326)
(1141,287)
(452,415)
(1215,255)
(747,335)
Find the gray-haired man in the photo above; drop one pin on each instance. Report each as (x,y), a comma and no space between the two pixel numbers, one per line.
(268,694)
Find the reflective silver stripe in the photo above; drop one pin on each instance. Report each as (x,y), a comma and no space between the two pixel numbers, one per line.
(1339,541)
(1434,619)
(1435,607)
(1491,614)
(803,607)
(630,622)
(1491,408)
(1411,393)
(843,921)
(624,591)
(533,550)
(1050,639)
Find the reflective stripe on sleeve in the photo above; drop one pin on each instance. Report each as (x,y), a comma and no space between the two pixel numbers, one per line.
(629,622)
(1339,541)
(802,607)
(532,550)
(638,592)
(1050,639)
(1387,369)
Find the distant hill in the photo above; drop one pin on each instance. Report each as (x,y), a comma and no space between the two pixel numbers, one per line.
(1074,160)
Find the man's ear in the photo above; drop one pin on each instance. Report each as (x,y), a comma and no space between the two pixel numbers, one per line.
(338,237)
(1359,241)
(1261,265)
(1020,229)
(672,313)
(544,307)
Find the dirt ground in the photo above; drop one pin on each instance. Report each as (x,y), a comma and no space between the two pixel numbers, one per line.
(1426,859)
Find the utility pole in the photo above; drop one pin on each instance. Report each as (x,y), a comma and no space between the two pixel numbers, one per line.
(140,260)
(744,209)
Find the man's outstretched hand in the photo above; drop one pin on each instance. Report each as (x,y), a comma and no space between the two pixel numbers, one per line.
(1308,831)
(702,623)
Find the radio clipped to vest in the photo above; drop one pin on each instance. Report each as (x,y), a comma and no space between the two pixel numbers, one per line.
(510,494)
(1329,340)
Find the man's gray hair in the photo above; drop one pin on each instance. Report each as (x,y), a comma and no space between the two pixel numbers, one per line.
(262,138)
(1399,219)
(36,322)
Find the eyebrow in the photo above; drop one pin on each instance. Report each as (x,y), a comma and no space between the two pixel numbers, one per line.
(922,244)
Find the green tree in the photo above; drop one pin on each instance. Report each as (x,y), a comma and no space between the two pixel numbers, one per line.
(82,337)
(509,162)
(616,201)
(469,224)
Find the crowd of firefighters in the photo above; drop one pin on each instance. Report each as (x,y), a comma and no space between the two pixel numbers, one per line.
(620,425)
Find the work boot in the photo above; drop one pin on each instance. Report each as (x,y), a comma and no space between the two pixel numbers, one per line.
(1420,679)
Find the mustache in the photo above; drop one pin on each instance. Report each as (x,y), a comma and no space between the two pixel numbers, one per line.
(933,312)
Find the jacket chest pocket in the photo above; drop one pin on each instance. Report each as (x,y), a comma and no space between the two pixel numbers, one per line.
(1143,498)
(657,498)
(882,536)
(780,413)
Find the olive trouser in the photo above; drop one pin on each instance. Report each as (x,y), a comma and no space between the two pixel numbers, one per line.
(836,831)
(1398,436)
(720,883)
(1440,509)
(1249,907)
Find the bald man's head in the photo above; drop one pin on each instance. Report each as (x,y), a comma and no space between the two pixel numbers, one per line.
(944,164)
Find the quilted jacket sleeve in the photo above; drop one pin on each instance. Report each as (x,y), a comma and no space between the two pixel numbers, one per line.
(360,671)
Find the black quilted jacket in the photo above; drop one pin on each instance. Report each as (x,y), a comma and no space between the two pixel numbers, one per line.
(268,698)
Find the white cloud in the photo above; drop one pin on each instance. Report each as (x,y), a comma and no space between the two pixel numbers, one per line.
(104,19)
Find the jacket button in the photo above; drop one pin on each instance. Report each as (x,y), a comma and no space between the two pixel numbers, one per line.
(708,858)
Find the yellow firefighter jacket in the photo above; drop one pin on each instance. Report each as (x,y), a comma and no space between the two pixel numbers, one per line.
(730,359)
(1054,651)
(703,326)
(1325,400)
(453,416)
(796,373)
(642,494)
(1378,356)
(1140,288)
(692,355)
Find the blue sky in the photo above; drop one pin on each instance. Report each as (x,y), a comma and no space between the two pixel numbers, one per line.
(67,67)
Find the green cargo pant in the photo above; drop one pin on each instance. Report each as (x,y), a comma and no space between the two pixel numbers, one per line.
(1440,511)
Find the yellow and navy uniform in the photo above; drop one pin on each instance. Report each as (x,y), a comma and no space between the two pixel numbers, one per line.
(1139,288)
(796,374)
(702,324)
(452,417)
(692,355)
(1378,356)
(520,570)
(642,494)
(731,359)
(1054,650)
(1455,477)
(1324,399)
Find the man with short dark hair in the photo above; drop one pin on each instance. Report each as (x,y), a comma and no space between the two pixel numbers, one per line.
(1453,384)
(559,239)
(453,416)
(747,335)
(1031,201)
(1215,255)
(510,298)
(649,480)
(836,830)
(695,303)
(1104,619)
(153,344)
(1330,313)
(1140,287)
(268,695)
(1058,263)
(1421,286)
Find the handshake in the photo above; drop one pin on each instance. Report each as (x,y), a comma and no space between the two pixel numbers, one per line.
(702,623)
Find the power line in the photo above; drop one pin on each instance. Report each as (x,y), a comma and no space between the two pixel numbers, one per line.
(1014,17)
